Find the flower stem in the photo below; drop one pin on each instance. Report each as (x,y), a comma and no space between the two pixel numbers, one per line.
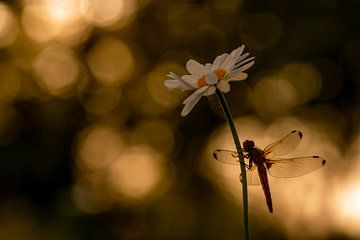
(235,136)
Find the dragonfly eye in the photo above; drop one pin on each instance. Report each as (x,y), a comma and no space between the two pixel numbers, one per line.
(248,145)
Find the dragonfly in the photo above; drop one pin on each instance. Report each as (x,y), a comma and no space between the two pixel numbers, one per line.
(259,162)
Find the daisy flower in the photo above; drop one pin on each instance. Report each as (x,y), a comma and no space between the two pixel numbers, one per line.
(204,79)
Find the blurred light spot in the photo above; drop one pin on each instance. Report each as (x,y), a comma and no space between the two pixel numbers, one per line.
(304,77)
(305,206)
(10,81)
(155,99)
(110,172)
(57,69)
(156,88)
(147,132)
(105,13)
(346,195)
(260,30)
(44,20)
(111,61)
(98,146)
(274,95)
(136,174)
(293,85)
(350,204)
(8,26)
(103,100)
(144,104)
(316,121)
(346,207)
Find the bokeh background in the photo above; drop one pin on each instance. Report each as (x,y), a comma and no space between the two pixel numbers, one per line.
(92,145)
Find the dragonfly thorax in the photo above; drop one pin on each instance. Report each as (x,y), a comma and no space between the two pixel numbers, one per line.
(254,154)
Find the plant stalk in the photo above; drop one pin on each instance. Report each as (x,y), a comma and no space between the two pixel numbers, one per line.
(235,136)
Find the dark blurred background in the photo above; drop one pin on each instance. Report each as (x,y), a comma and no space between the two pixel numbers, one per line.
(92,145)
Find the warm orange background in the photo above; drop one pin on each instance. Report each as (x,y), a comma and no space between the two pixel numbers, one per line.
(92,145)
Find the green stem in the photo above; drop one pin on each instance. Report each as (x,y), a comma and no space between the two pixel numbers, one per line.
(235,136)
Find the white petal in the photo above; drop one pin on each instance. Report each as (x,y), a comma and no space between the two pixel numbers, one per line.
(177,82)
(208,66)
(197,92)
(195,68)
(246,66)
(210,91)
(191,80)
(172,75)
(237,52)
(224,86)
(239,76)
(242,57)
(228,63)
(171,84)
(192,100)
(232,58)
(237,72)
(190,105)
(219,60)
(241,61)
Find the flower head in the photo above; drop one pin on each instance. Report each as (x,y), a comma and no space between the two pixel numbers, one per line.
(204,79)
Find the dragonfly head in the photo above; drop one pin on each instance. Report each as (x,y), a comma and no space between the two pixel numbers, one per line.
(248,145)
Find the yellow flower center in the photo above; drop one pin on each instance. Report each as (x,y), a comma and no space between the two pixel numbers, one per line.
(202,81)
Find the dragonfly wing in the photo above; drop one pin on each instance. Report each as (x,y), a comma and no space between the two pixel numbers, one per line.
(284,146)
(226,156)
(231,157)
(252,176)
(294,167)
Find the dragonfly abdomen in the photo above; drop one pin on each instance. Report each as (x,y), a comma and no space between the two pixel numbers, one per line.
(265,185)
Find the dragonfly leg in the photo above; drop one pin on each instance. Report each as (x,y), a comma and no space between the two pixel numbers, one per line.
(246,165)
(250,163)
(246,155)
